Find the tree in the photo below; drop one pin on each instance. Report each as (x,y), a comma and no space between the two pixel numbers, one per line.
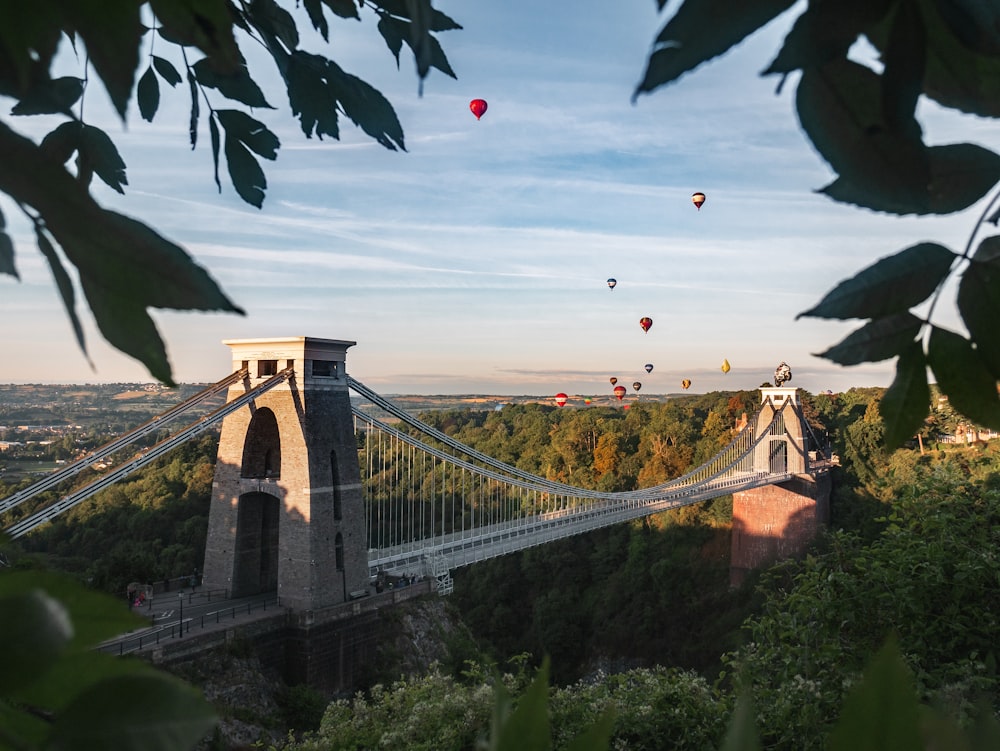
(862,119)
(124,266)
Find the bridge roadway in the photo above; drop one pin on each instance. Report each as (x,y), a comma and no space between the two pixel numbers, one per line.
(472,546)
(206,615)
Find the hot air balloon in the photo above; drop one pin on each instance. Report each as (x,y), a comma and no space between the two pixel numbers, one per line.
(646,322)
(587,400)
(782,374)
(637,385)
(686,383)
(478,107)
(725,366)
(612,282)
(620,392)
(561,399)
(613,380)
(698,199)
(649,367)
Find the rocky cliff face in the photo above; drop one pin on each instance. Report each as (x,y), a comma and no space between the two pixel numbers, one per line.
(255,704)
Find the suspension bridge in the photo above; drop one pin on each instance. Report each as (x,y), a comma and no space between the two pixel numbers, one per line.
(317,494)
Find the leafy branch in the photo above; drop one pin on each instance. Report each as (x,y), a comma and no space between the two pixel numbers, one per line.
(123,266)
(863,123)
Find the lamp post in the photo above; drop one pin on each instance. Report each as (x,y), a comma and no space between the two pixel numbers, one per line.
(180,619)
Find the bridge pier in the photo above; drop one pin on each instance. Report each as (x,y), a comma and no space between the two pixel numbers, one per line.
(287,512)
(780,520)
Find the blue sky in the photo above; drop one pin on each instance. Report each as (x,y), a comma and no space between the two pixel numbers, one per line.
(476,261)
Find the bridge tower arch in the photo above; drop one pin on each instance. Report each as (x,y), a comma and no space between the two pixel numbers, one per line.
(287,513)
(780,520)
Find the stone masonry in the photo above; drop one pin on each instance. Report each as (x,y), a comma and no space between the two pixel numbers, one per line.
(778,521)
(287,512)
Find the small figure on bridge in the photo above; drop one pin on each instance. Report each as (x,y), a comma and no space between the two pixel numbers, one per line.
(782,374)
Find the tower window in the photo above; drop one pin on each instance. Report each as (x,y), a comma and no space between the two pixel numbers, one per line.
(325,368)
(267,368)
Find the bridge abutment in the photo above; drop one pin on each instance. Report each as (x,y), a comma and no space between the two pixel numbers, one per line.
(780,520)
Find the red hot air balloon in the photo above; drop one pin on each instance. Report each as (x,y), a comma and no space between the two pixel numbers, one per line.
(698,199)
(613,380)
(620,392)
(478,107)
(561,399)
(646,322)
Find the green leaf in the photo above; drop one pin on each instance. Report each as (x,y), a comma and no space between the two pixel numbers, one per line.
(253,133)
(135,713)
(237,85)
(904,59)
(892,285)
(63,283)
(905,404)
(312,100)
(979,301)
(840,108)
(963,377)
(881,712)
(193,125)
(314,8)
(701,30)
(824,31)
(276,21)
(527,727)
(597,737)
(29,42)
(100,154)
(213,131)
(148,94)
(6,251)
(132,261)
(95,616)
(126,325)
(975,23)
(401,8)
(50,97)
(961,174)
(62,142)
(112,32)
(32,640)
(246,174)
(206,24)
(344,8)
(957,76)
(438,59)
(166,70)
(419,38)
(742,733)
(112,253)
(394,32)
(877,340)
(366,107)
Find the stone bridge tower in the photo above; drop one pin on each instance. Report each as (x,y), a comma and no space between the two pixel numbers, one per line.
(287,512)
(777,521)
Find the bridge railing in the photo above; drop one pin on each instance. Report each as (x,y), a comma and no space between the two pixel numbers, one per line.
(152,636)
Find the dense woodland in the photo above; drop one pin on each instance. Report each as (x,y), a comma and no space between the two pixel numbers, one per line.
(641,616)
